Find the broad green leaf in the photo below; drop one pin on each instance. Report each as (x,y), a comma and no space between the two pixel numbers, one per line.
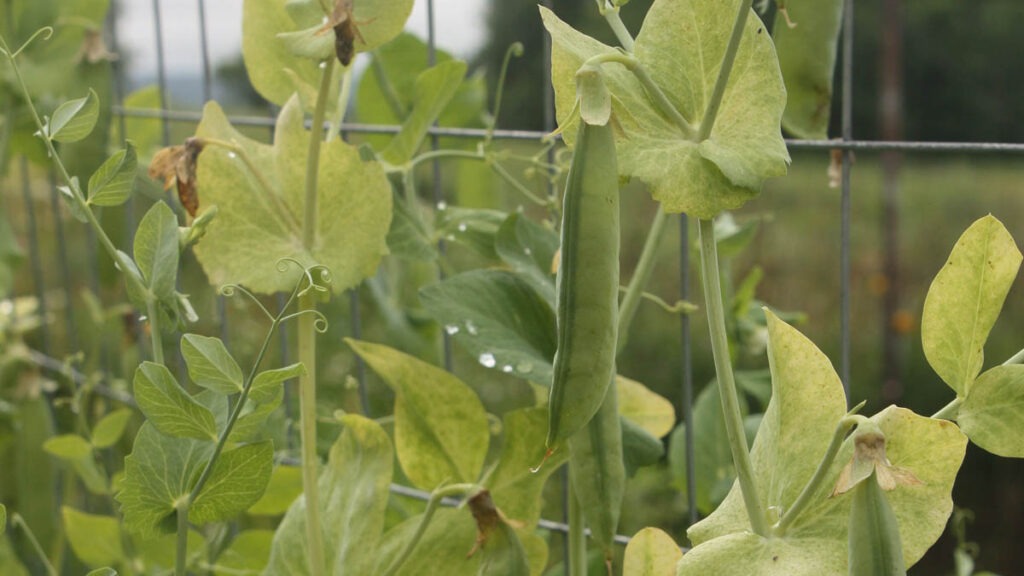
(267,384)
(680,45)
(210,365)
(498,318)
(146,133)
(257,227)
(992,415)
(964,301)
(171,410)
(354,491)
(111,184)
(247,554)
(74,120)
(96,540)
(94,478)
(504,553)
(156,250)
(267,59)
(284,487)
(251,423)
(408,236)
(807,403)
(109,429)
(310,42)
(651,552)
(105,571)
(807,57)
(515,489)
(157,474)
(434,88)
(474,228)
(441,431)
(446,542)
(236,482)
(11,257)
(529,248)
(68,447)
(648,410)
(639,447)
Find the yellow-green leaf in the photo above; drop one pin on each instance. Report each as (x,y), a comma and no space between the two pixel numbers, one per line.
(645,408)
(992,415)
(170,409)
(74,120)
(109,429)
(96,540)
(651,552)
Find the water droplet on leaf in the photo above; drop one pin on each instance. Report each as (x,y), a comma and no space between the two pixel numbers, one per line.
(487,359)
(451,329)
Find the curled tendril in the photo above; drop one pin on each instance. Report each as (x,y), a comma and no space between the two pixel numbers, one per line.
(320,323)
(313,274)
(285,263)
(230,290)
(46,32)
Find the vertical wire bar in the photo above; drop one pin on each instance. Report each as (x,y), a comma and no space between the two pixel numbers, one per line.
(435,168)
(161,71)
(549,126)
(33,250)
(687,400)
(71,335)
(844,227)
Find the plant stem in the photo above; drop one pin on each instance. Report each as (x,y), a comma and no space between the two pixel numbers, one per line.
(316,137)
(387,88)
(17,520)
(428,514)
(181,549)
(577,541)
(653,90)
(1015,359)
(949,411)
(334,124)
(155,337)
(711,112)
(611,15)
(642,273)
(845,425)
(726,382)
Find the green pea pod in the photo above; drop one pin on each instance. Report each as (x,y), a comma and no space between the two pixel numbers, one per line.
(874,540)
(806,38)
(598,473)
(587,285)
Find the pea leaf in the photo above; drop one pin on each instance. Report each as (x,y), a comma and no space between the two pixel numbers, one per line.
(256,227)
(434,88)
(529,248)
(105,571)
(680,45)
(499,318)
(964,301)
(74,120)
(648,410)
(160,470)
(110,428)
(807,57)
(236,482)
(69,447)
(168,407)
(251,423)
(156,250)
(651,552)
(993,412)
(267,384)
(210,365)
(284,487)
(441,432)
(807,402)
(248,553)
(145,132)
(515,489)
(111,184)
(354,491)
(96,540)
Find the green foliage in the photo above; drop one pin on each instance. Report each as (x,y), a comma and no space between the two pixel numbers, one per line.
(651,552)
(11,257)
(112,183)
(96,540)
(991,415)
(110,428)
(168,407)
(74,120)
(433,90)
(210,365)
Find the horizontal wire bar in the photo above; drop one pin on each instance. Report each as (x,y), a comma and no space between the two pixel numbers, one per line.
(862,145)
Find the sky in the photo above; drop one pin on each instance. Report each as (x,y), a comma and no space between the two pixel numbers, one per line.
(459,25)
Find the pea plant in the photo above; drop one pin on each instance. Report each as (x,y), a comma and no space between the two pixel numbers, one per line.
(693,107)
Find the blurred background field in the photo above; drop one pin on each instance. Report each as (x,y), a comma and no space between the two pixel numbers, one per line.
(960,83)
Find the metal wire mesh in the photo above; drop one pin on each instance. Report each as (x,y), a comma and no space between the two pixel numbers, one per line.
(847,144)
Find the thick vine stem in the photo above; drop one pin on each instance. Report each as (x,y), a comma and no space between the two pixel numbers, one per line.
(577,541)
(726,382)
(611,15)
(800,504)
(436,496)
(711,112)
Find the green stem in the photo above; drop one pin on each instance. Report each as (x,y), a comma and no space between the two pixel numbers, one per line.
(611,15)
(653,90)
(1015,359)
(156,338)
(334,124)
(577,541)
(949,411)
(17,520)
(316,137)
(387,88)
(438,154)
(804,499)
(181,549)
(726,382)
(428,514)
(711,112)
(515,49)
(508,178)
(644,267)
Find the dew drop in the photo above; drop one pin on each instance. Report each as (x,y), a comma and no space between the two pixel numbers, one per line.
(143,318)
(462,226)
(471,328)
(487,359)
(507,368)
(323,65)
(451,329)
(450,237)
(442,205)
(232,155)
(527,251)
(524,367)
